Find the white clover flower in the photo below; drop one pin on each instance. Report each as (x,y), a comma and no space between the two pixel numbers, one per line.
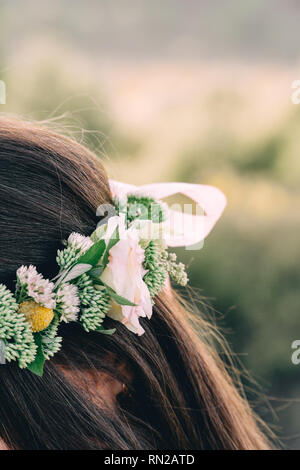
(38,288)
(68,302)
(79,242)
(27,275)
(42,292)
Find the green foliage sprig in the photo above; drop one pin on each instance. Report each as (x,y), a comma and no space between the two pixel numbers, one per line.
(15,331)
(154,263)
(141,207)
(95,303)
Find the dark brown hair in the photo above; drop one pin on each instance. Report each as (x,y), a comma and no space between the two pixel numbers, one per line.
(181,396)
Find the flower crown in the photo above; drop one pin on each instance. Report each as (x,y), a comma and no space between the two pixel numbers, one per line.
(116,272)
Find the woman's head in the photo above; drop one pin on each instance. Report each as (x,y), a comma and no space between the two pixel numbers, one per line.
(180,396)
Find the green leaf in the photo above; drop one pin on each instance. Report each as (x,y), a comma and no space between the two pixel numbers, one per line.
(93,254)
(118,298)
(37,366)
(95,273)
(77,271)
(69,274)
(99,233)
(84,263)
(2,351)
(102,330)
(112,241)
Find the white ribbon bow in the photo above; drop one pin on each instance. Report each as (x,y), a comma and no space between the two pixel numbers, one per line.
(184,229)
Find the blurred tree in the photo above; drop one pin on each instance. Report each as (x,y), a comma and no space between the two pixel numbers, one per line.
(48,92)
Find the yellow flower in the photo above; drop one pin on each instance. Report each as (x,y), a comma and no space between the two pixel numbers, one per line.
(38,316)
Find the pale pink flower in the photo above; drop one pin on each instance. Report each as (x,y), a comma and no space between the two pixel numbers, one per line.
(68,302)
(38,288)
(124,273)
(79,241)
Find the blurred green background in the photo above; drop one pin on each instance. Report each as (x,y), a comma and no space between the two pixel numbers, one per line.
(198,91)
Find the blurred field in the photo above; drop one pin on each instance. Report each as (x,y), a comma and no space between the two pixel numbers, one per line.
(229,123)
